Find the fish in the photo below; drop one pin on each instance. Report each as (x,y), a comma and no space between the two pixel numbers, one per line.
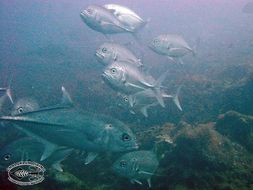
(29,149)
(102,20)
(137,166)
(129,80)
(248,8)
(108,53)
(172,46)
(126,16)
(65,125)
(24,105)
(146,99)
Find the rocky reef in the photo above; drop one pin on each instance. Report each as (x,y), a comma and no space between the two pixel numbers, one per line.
(206,156)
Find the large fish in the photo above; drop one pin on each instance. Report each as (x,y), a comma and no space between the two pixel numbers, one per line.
(108,53)
(126,16)
(29,149)
(129,80)
(23,105)
(137,166)
(64,125)
(102,20)
(172,46)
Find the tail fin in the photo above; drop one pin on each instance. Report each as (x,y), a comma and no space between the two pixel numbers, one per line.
(196,46)
(158,86)
(176,100)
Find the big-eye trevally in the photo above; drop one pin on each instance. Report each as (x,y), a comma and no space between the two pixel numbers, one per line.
(126,16)
(144,100)
(102,20)
(29,149)
(137,166)
(64,125)
(110,52)
(172,46)
(23,105)
(129,80)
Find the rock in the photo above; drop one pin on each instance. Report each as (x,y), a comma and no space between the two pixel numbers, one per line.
(202,158)
(237,127)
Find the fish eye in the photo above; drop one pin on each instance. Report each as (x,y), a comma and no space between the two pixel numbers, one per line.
(156,41)
(104,50)
(89,11)
(126,137)
(122,163)
(108,126)
(126,99)
(20,110)
(113,70)
(7,157)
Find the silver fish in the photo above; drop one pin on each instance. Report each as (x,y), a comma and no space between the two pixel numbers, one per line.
(129,80)
(110,52)
(144,100)
(102,20)
(64,125)
(137,166)
(126,16)
(172,46)
(29,149)
(24,105)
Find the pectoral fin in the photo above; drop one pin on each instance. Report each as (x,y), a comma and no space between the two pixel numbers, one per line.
(131,100)
(57,166)
(135,181)
(62,154)
(144,172)
(149,182)
(49,149)
(90,157)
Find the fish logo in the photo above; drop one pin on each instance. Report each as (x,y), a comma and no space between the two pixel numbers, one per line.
(26,173)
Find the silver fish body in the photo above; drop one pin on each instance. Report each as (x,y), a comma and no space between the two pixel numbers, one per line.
(143,101)
(137,165)
(172,46)
(129,80)
(126,16)
(102,20)
(108,53)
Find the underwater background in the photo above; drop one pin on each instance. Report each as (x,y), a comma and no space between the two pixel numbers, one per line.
(45,45)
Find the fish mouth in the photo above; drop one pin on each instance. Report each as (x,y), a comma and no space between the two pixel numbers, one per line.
(150,45)
(104,76)
(99,55)
(84,14)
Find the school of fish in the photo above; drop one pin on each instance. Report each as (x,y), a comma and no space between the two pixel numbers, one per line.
(54,131)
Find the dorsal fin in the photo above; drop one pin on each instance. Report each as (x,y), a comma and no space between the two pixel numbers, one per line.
(66,99)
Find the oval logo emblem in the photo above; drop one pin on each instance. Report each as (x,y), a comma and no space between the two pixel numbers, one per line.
(26,173)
